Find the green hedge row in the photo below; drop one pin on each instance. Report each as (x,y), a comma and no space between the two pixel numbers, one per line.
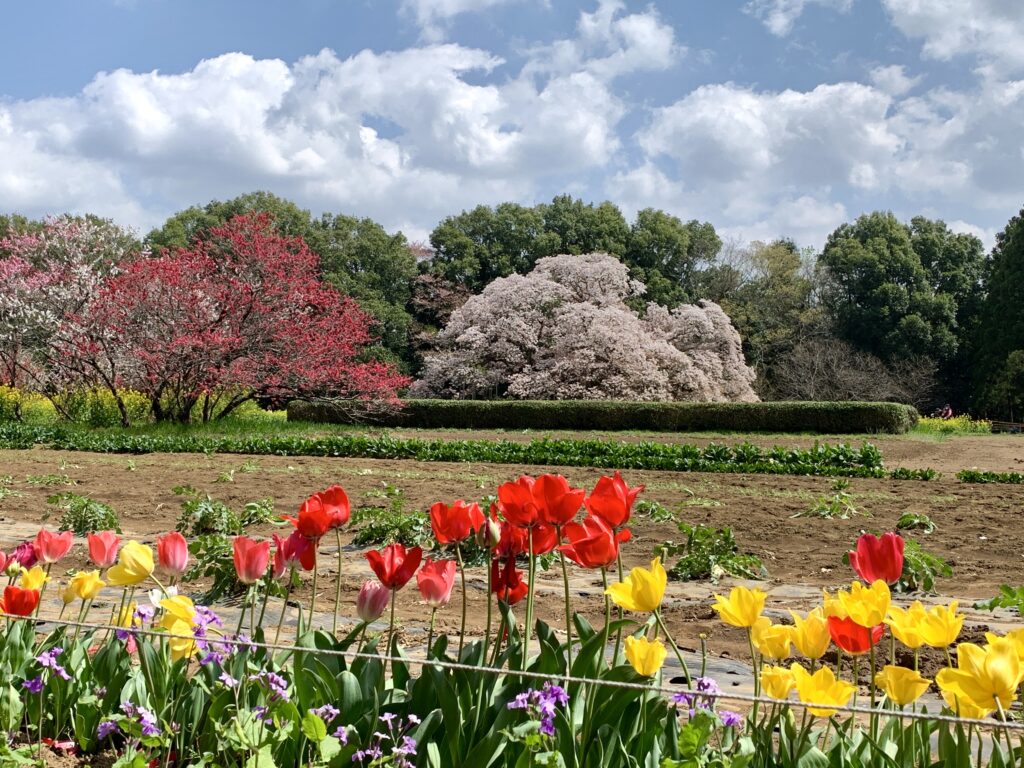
(842,459)
(977,476)
(821,418)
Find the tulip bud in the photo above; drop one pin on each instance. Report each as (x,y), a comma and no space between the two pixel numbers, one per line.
(488,535)
(373,599)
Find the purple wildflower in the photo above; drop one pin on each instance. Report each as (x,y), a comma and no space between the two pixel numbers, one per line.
(147,719)
(35,685)
(144,613)
(275,684)
(228,680)
(542,704)
(262,713)
(106,728)
(341,734)
(694,700)
(731,719)
(48,660)
(327,712)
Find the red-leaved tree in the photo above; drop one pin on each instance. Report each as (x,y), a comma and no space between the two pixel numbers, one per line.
(241,314)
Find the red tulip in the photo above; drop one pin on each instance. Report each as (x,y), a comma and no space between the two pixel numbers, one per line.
(19,602)
(435,580)
(314,519)
(852,637)
(517,502)
(512,541)
(508,583)
(592,543)
(251,559)
(335,501)
(612,500)
(295,548)
(394,565)
(172,554)
(557,501)
(372,600)
(103,548)
(51,547)
(545,539)
(455,523)
(878,558)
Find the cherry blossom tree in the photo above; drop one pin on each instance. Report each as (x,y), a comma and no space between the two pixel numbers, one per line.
(565,331)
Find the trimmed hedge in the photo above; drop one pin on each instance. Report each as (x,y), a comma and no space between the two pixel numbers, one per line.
(611,415)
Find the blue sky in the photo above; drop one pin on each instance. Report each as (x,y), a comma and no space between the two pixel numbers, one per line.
(766,117)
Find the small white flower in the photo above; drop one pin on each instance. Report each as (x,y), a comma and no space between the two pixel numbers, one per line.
(156,595)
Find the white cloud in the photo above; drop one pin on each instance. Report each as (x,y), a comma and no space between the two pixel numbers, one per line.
(432,16)
(779,16)
(894,79)
(991,30)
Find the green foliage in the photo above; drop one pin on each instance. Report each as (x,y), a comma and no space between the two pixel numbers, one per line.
(920,569)
(49,480)
(655,512)
(838,506)
(709,553)
(915,521)
(1011,598)
(380,526)
(83,515)
(978,476)
(202,514)
(958,425)
(777,417)
(903,473)
(100,408)
(211,558)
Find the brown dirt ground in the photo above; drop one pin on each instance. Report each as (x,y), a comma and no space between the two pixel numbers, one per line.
(979,526)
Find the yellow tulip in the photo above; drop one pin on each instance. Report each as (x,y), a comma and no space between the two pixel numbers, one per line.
(1016,637)
(181,647)
(179,608)
(810,635)
(34,578)
(985,677)
(941,626)
(642,590)
(644,656)
(906,624)
(777,682)
(126,618)
(772,640)
(821,688)
(742,608)
(832,606)
(134,565)
(67,595)
(867,606)
(901,685)
(85,585)
(964,707)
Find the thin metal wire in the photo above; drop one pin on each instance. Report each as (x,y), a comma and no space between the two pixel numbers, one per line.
(456,665)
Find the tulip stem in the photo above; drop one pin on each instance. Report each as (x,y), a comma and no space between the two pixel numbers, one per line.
(391,631)
(757,671)
(873,726)
(568,610)
(618,633)
(532,571)
(487,630)
(679,655)
(241,611)
(284,607)
(266,598)
(312,598)
(337,585)
(607,616)
(462,576)
(430,632)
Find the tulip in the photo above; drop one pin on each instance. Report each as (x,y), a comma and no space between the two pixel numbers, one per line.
(1015,636)
(85,585)
(941,626)
(868,606)
(372,601)
(251,559)
(777,682)
(172,554)
(34,578)
(810,635)
(512,542)
(3,562)
(157,595)
(517,502)
(51,547)
(592,543)
(435,580)
(902,686)
(832,606)
(641,591)
(18,601)
(294,548)
(821,688)
(962,706)
(644,656)
(986,678)
(742,608)
(314,518)
(612,500)
(67,595)
(507,583)
(179,621)
(557,502)
(772,640)
(852,637)
(455,523)
(103,548)
(336,502)
(24,555)
(134,565)
(488,535)
(906,624)
(394,565)
(878,558)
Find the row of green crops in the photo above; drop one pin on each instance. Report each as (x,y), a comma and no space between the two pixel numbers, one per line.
(822,459)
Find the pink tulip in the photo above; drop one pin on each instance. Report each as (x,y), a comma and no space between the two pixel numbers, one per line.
(372,601)
(172,554)
(51,547)
(251,559)
(3,562)
(290,550)
(435,580)
(103,548)
(24,555)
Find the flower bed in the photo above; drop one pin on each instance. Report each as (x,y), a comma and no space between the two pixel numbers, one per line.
(168,683)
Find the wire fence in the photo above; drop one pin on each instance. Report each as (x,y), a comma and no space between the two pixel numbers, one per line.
(234,641)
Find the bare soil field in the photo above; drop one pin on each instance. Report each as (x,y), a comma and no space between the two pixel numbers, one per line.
(979,527)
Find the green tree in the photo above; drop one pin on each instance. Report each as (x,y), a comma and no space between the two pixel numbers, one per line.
(879,296)
(665,254)
(1000,338)
(585,228)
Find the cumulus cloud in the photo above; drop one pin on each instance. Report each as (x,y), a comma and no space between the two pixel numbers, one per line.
(894,79)
(779,16)
(432,16)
